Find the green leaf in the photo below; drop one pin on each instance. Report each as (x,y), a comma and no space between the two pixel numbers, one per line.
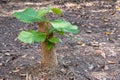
(42,12)
(28,15)
(61,33)
(49,45)
(56,11)
(54,40)
(51,30)
(64,26)
(31,36)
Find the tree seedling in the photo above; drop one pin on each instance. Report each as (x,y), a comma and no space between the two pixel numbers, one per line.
(45,33)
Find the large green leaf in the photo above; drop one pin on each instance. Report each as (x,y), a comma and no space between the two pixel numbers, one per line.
(64,26)
(61,33)
(42,12)
(56,11)
(31,36)
(54,40)
(28,15)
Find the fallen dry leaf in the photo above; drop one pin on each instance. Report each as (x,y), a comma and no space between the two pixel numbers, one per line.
(17,70)
(80,43)
(118,9)
(106,20)
(24,56)
(23,75)
(111,62)
(103,55)
(71,5)
(107,33)
(99,75)
(98,52)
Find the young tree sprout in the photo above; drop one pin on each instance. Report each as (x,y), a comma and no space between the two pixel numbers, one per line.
(45,33)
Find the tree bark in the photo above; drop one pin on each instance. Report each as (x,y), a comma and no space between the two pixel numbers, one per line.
(49,58)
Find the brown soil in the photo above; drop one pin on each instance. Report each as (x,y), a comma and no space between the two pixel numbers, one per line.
(93,54)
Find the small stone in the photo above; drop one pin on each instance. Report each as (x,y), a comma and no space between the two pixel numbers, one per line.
(83,25)
(113,54)
(91,67)
(7,54)
(24,56)
(94,44)
(106,67)
(102,44)
(98,52)
(103,79)
(103,55)
(73,22)
(63,70)
(1,64)
(99,75)
(111,40)
(86,70)
(71,78)
(83,45)
(32,57)
(101,64)
(80,43)
(88,31)
(23,75)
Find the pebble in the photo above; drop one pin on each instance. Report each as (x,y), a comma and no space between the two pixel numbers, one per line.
(91,67)
(88,31)
(101,64)
(111,40)
(113,54)
(71,78)
(99,75)
(103,79)
(98,52)
(32,57)
(80,43)
(24,56)
(103,55)
(94,44)
(1,64)
(7,54)
(106,67)
(83,45)
(23,75)
(102,44)
(63,70)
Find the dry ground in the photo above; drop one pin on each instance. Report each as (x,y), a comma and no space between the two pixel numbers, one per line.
(93,54)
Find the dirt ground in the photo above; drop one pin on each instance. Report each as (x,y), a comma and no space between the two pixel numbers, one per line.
(92,54)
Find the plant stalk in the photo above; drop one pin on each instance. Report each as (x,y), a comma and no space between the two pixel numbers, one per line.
(49,58)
